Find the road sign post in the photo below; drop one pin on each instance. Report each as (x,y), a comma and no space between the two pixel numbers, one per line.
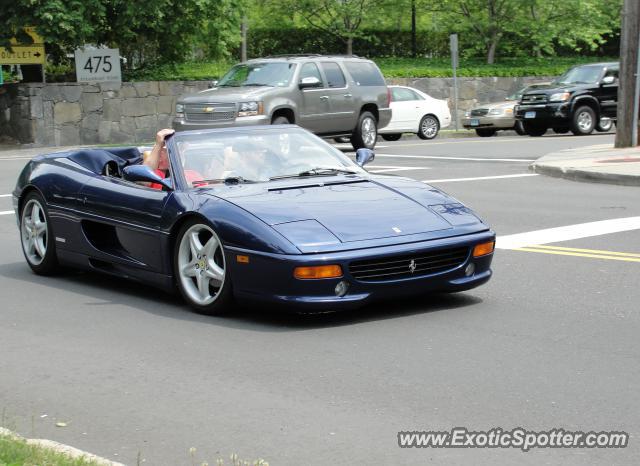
(453,45)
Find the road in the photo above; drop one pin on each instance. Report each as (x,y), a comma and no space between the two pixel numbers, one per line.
(550,341)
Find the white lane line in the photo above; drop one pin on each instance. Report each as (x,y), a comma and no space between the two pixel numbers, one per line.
(439,157)
(521,175)
(5,195)
(15,158)
(7,212)
(393,168)
(474,140)
(581,230)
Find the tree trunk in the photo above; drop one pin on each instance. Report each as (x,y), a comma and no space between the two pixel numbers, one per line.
(628,65)
(350,46)
(414,45)
(491,53)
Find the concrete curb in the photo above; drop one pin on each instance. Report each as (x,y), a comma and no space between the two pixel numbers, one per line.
(61,448)
(576,174)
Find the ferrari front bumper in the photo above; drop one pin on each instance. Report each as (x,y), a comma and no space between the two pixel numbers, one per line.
(269,277)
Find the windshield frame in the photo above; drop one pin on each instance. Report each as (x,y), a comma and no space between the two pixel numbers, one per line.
(223,82)
(573,70)
(342,160)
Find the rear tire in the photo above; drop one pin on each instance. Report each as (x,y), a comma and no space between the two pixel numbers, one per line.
(583,121)
(366,132)
(391,136)
(604,126)
(36,236)
(485,132)
(200,269)
(534,130)
(429,127)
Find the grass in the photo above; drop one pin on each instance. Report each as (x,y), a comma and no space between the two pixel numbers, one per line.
(17,452)
(391,68)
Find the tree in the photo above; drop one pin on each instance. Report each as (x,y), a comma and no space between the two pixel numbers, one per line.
(340,18)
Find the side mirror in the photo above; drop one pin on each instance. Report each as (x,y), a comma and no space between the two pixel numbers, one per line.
(608,80)
(310,81)
(143,173)
(213,84)
(364,156)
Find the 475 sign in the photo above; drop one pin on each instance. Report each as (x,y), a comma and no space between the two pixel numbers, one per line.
(98,65)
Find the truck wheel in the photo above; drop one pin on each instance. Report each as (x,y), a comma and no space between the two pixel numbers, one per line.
(519,129)
(583,121)
(366,132)
(280,120)
(534,130)
(485,132)
(605,124)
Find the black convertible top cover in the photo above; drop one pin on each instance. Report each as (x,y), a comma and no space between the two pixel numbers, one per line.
(95,160)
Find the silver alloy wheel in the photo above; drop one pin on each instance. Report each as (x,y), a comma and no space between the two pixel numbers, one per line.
(605,124)
(585,121)
(201,267)
(429,127)
(369,132)
(33,232)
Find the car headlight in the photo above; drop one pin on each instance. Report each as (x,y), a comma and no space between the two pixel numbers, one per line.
(559,97)
(179,110)
(250,109)
(467,114)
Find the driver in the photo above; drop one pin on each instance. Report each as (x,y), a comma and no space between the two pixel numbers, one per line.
(158,159)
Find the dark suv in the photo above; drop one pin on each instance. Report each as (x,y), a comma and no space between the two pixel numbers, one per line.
(329,95)
(581,100)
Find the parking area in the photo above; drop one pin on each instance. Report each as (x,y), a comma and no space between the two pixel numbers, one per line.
(550,341)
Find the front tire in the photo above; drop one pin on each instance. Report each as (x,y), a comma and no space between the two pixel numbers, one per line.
(583,121)
(366,132)
(429,127)
(200,269)
(485,132)
(519,128)
(280,120)
(534,130)
(391,136)
(36,236)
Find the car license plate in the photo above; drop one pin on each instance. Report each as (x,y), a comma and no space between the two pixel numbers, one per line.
(474,122)
(530,115)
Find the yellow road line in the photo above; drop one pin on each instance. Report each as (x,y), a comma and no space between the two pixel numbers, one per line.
(578,254)
(589,251)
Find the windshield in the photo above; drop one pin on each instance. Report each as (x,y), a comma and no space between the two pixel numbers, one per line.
(258,155)
(580,75)
(259,74)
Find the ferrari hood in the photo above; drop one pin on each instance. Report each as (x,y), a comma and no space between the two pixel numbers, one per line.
(355,210)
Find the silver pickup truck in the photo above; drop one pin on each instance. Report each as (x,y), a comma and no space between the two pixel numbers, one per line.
(332,96)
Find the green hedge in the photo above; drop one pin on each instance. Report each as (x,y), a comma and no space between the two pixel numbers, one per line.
(391,68)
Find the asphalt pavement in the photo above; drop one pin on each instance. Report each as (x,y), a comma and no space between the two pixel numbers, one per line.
(550,341)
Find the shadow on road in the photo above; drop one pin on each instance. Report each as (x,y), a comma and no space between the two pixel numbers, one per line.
(106,291)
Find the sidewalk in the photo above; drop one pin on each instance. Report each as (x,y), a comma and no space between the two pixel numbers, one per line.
(598,164)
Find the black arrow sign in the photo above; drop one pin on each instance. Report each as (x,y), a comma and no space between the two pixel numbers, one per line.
(37,54)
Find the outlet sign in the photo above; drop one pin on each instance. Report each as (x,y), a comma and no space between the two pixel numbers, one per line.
(96,65)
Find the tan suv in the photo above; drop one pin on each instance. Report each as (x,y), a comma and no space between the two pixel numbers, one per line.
(330,95)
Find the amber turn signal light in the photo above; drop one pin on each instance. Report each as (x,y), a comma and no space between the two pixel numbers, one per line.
(483,249)
(318,271)
(242,259)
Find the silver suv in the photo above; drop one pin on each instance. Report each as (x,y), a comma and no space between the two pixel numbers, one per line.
(332,96)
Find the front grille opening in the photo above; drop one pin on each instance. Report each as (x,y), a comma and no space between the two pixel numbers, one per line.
(409,265)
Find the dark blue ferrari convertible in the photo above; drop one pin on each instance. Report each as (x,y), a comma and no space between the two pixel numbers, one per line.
(265,213)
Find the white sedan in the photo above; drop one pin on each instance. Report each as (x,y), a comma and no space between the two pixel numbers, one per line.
(413,111)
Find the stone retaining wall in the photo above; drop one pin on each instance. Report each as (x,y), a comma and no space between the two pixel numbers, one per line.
(72,113)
